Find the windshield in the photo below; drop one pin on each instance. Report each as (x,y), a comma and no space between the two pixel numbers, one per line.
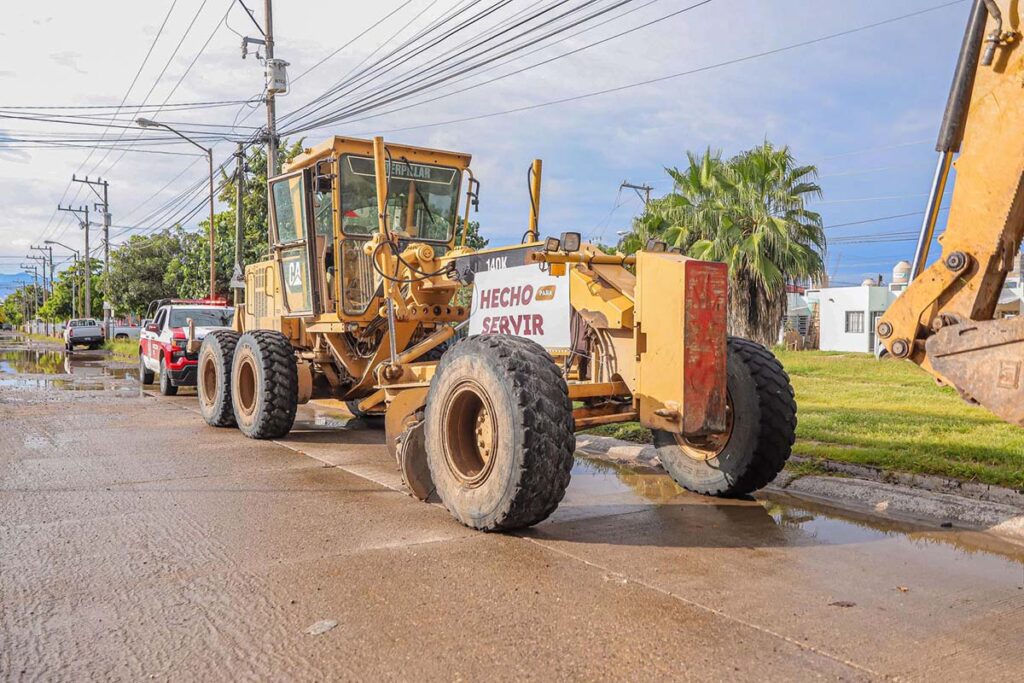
(202,317)
(422,198)
(83,323)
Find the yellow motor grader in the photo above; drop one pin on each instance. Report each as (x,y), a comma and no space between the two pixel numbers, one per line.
(359,302)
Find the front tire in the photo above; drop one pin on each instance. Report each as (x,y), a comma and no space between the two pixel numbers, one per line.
(499,433)
(147,374)
(264,384)
(214,377)
(762,428)
(166,388)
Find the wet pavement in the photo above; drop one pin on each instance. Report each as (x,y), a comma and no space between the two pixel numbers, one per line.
(136,542)
(28,364)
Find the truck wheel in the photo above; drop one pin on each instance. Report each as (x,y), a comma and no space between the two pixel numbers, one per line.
(214,377)
(762,427)
(499,433)
(166,388)
(147,374)
(264,384)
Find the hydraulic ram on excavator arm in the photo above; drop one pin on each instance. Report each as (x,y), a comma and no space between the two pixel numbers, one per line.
(944,320)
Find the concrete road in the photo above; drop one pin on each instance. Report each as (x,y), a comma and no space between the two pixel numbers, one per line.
(136,542)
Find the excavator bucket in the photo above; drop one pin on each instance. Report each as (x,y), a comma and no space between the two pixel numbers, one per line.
(983,360)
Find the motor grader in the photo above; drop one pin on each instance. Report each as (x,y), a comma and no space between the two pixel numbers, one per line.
(945,320)
(359,302)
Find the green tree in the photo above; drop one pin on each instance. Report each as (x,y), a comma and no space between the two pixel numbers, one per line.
(58,305)
(138,270)
(189,274)
(20,304)
(751,213)
(474,240)
(96,296)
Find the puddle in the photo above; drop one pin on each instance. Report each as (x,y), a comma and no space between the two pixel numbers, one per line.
(778,519)
(331,421)
(25,367)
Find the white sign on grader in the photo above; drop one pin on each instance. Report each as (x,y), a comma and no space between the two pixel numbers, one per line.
(523,301)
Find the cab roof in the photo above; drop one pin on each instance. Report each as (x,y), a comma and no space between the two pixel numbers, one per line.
(339,145)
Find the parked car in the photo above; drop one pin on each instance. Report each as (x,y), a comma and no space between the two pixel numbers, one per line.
(126,332)
(83,332)
(163,351)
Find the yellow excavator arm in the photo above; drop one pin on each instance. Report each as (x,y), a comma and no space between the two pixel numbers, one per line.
(944,320)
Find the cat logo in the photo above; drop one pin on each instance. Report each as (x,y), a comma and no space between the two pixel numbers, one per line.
(545,293)
(293,276)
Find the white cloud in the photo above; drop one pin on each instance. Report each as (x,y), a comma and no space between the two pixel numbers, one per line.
(867,90)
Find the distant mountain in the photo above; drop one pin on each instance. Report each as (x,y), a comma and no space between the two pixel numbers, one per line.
(11,281)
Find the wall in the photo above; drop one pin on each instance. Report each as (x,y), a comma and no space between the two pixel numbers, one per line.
(836,301)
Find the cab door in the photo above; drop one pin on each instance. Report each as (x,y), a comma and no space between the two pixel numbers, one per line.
(289,199)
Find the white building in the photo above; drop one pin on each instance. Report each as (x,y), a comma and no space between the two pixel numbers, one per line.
(848,316)
(844,318)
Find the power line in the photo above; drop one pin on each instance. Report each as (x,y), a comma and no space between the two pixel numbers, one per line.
(526,68)
(176,105)
(357,37)
(879,219)
(680,74)
(392,91)
(145,60)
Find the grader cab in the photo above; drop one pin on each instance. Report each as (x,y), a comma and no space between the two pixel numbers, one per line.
(363,300)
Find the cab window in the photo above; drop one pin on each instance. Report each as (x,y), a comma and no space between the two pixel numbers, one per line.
(323,206)
(288,209)
(421,203)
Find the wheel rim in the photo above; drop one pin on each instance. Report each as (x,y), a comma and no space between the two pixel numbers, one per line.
(708,447)
(246,390)
(208,383)
(470,435)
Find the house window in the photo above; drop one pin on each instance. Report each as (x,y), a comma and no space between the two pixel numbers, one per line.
(855,322)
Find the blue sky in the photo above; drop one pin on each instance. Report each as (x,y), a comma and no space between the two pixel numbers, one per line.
(864,108)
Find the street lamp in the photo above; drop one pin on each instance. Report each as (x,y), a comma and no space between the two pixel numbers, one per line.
(149,123)
(74,292)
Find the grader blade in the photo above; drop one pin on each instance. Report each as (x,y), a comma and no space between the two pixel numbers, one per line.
(412,460)
(984,361)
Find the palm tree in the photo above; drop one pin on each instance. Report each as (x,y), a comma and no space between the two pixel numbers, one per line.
(750,213)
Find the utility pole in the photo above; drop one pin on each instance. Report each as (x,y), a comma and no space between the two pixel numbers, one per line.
(645,188)
(268,37)
(87,274)
(104,206)
(35,292)
(48,259)
(276,82)
(75,304)
(237,280)
(42,261)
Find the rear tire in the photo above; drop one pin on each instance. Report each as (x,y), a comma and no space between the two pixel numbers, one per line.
(166,388)
(499,433)
(264,384)
(213,377)
(147,374)
(763,428)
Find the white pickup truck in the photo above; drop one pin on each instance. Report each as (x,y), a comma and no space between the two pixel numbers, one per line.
(83,332)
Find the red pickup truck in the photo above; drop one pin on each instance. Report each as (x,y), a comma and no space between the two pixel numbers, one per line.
(162,342)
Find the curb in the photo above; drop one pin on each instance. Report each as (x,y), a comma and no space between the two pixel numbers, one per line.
(905,497)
